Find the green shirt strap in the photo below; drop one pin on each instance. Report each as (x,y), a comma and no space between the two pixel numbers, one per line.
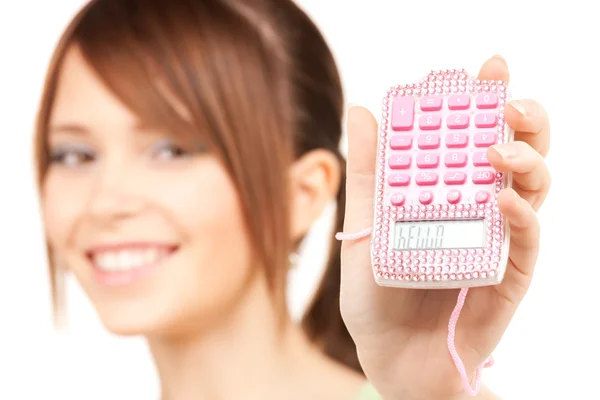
(368,393)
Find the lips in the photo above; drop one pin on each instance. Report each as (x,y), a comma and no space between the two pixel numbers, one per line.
(125,263)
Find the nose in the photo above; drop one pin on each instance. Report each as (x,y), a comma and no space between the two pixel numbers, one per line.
(114,197)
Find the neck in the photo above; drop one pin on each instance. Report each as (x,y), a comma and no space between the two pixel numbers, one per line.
(249,355)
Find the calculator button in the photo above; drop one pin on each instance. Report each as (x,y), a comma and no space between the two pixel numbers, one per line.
(486,120)
(483,177)
(431,103)
(459,102)
(457,140)
(397,199)
(480,159)
(426,197)
(484,139)
(401,142)
(398,179)
(399,162)
(482,197)
(455,159)
(426,179)
(429,142)
(453,197)
(428,161)
(457,121)
(455,178)
(486,100)
(430,122)
(403,113)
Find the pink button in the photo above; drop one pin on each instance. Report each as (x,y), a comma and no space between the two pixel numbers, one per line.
(482,197)
(486,120)
(458,121)
(453,196)
(397,199)
(455,178)
(426,178)
(483,177)
(431,103)
(399,162)
(459,102)
(403,113)
(457,140)
(486,100)
(455,159)
(430,122)
(428,160)
(429,141)
(480,159)
(398,179)
(426,197)
(484,139)
(401,142)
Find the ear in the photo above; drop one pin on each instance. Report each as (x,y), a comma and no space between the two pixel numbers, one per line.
(315,179)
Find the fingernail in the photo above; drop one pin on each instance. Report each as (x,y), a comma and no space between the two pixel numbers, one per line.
(500,58)
(519,107)
(506,151)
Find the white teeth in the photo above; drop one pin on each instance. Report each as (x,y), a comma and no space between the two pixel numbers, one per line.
(126,259)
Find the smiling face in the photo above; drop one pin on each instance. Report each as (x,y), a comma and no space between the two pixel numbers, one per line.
(145,221)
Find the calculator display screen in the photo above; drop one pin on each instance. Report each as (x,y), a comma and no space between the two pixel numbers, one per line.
(425,235)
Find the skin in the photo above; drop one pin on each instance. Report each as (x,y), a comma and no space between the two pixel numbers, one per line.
(205,309)
(391,341)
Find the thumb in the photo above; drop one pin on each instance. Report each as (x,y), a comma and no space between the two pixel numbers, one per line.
(360,186)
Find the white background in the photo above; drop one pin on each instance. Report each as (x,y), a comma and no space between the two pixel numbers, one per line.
(550,350)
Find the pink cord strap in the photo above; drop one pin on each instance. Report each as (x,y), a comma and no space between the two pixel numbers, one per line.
(451,326)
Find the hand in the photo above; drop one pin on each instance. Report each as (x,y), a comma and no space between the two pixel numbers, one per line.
(401,334)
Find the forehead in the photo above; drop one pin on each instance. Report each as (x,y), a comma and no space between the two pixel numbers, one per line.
(82,98)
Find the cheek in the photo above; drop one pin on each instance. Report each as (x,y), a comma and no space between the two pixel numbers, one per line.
(60,209)
(209,214)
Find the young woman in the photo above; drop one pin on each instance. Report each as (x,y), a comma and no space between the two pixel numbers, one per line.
(185,147)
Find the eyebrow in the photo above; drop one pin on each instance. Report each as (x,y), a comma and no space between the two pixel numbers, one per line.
(69,128)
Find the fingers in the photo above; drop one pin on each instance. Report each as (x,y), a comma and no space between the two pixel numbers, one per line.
(531,177)
(495,68)
(524,244)
(360,179)
(530,122)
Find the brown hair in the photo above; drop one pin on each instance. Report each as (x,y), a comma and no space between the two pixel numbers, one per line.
(257,79)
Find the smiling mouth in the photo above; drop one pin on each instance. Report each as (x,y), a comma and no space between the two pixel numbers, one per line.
(126,263)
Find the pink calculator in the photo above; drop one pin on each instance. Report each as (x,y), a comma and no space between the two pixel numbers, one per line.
(436,219)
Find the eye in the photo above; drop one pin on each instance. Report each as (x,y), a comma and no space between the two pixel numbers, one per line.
(71,156)
(166,150)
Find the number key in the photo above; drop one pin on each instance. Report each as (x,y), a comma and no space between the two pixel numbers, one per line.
(457,140)
(486,120)
(428,160)
(484,139)
(480,159)
(486,100)
(455,159)
(429,142)
(458,121)
(430,122)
